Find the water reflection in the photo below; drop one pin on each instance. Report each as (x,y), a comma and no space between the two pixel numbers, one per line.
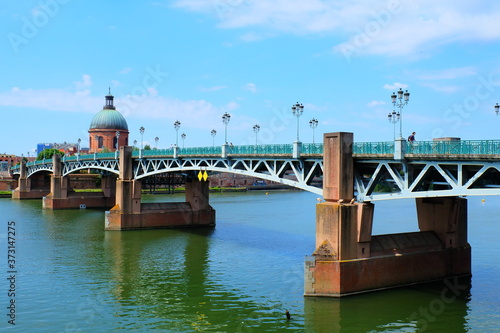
(238,277)
(166,275)
(434,307)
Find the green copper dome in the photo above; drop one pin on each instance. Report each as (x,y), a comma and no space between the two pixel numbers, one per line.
(108,117)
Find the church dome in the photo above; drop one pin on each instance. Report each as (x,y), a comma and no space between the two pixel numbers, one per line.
(108,117)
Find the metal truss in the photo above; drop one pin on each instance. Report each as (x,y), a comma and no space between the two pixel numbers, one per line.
(110,165)
(378,179)
(30,170)
(374,179)
(298,173)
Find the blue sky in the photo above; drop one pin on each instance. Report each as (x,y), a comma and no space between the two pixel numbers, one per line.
(193,60)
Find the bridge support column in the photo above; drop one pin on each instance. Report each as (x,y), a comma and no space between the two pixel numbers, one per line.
(130,214)
(24,189)
(62,196)
(58,187)
(349,260)
(446,217)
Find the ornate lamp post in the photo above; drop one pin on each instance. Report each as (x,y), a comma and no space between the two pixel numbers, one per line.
(135,143)
(393,118)
(117,138)
(497,108)
(213,133)
(313,123)
(141,130)
(226,117)
(156,142)
(183,137)
(79,140)
(399,102)
(297,111)
(256,129)
(177,125)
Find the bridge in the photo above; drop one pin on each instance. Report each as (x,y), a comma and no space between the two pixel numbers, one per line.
(348,258)
(427,169)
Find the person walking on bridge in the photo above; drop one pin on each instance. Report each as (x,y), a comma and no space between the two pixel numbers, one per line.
(411,138)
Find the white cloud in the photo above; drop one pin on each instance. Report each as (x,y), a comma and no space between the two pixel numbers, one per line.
(250,87)
(442,88)
(85,83)
(395,86)
(251,37)
(51,99)
(375,103)
(392,27)
(199,112)
(125,70)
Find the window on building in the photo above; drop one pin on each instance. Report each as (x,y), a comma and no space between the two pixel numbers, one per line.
(101,141)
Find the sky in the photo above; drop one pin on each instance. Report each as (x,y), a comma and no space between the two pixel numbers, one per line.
(194,60)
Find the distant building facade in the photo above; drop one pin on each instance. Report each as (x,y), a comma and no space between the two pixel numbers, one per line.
(66,148)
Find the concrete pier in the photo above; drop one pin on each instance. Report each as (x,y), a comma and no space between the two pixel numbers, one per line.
(349,260)
(61,195)
(29,187)
(130,214)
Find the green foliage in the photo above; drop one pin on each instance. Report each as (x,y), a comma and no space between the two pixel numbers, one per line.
(147,147)
(98,181)
(48,153)
(383,188)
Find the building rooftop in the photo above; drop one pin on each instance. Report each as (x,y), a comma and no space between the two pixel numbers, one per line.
(108,117)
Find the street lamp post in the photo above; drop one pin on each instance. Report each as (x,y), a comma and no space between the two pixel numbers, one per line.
(177,125)
(399,102)
(183,137)
(213,133)
(156,142)
(393,119)
(79,140)
(141,130)
(117,138)
(297,111)
(497,108)
(313,123)
(226,117)
(256,129)
(135,143)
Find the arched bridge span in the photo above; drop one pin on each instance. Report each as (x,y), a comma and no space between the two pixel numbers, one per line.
(426,169)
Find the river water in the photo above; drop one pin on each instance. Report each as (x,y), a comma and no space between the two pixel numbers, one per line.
(72,276)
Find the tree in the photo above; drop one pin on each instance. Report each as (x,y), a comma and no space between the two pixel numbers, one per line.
(48,153)
(147,147)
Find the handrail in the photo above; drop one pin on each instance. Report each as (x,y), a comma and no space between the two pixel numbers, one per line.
(436,147)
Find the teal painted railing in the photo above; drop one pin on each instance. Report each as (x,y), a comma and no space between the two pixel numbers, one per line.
(312,148)
(447,147)
(373,148)
(454,147)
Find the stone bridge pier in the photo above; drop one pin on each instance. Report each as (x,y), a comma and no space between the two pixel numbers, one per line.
(130,214)
(350,260)
(62,196)
(29,187)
